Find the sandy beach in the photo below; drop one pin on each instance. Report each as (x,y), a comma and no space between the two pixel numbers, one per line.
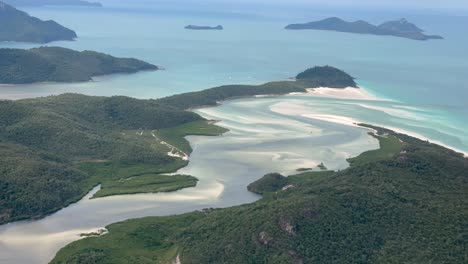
(351,93)
(352,122)
(346,93)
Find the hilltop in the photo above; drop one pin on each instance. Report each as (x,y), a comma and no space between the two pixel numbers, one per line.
(18,26)
(315,77)
(399,28)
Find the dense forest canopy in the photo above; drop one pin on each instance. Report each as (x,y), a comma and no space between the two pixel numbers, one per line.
(403,203)
(45,140)
(55,64)
(17,25)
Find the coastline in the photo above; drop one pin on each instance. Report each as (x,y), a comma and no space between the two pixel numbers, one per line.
(349,93)
(359,93)
(296,184)
(355,123)
(329,118)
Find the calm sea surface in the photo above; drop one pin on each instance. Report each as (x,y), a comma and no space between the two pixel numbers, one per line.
(254,48)
(422,86)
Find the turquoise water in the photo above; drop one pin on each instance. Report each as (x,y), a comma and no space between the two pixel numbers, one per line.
(259,141)
(422,88)
(254,49)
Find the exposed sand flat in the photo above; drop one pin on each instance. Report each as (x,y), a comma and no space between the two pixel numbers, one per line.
(333,118)
(297,108)
(346,93)
(268,134)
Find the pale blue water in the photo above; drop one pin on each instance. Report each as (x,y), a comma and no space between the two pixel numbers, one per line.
(426,82)
(254,49)
(259,141)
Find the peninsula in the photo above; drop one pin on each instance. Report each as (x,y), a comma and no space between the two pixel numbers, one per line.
(54,64)
(193,27)
(404,202)
(399,28)
(18,26)
(53,150)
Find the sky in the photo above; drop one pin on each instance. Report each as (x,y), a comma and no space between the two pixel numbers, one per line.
(394,4)
(402,3)
(455,7)
(370,3)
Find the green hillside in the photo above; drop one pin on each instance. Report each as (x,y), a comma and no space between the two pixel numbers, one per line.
(57,148)
(314,77)
(17,25)
(319,76)
(407,207)
(54,64)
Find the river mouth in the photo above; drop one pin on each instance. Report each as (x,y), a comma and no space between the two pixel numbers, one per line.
(260,141)
(268,134)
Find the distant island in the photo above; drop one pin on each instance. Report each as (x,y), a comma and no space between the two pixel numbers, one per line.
(399,28)
(53,3)
(17,25)
(54,64)
(193,27)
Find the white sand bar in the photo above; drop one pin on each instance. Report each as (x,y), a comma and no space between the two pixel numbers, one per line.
(346,93)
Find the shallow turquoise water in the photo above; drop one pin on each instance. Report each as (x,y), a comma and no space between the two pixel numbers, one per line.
(426,82)
(259,141)
(254,49)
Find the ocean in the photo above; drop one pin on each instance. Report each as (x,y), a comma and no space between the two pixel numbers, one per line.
(412,86)
(429,77)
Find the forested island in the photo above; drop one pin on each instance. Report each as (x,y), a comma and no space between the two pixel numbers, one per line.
(402,203)
(55,64)
(194,27)
(55,149)
(398,28)
(53,3)
(18,26)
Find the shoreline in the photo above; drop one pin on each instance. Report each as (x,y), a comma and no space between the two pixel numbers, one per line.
(328,118)
(348,93)
(421,137)
(352,93)
(359,93)
(353,122)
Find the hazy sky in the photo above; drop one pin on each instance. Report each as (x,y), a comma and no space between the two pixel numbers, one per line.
(459,6)
(403,3)
(451,4)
